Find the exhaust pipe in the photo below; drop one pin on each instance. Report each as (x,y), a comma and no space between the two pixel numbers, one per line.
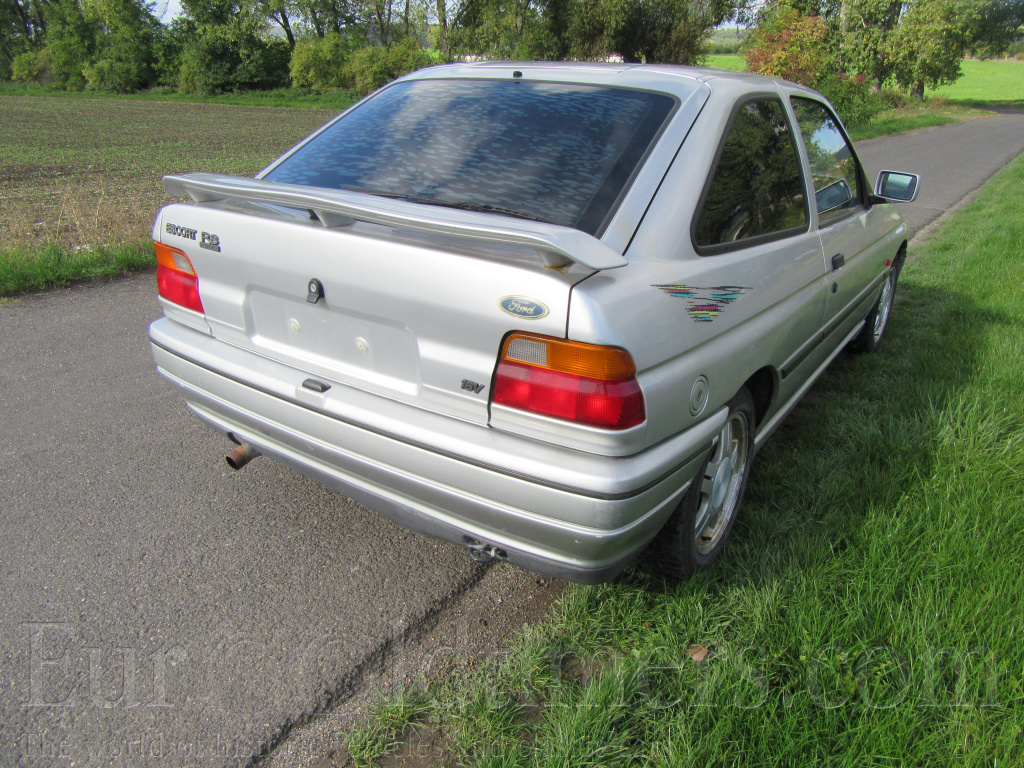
(241,456)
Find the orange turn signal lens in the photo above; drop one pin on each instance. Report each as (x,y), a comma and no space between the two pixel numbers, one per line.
(172,258)
(577,358)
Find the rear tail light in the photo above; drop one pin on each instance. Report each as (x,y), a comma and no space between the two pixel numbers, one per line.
(582,383)
(176,279)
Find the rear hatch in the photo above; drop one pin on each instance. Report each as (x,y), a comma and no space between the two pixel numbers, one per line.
(438,215)
(413,316)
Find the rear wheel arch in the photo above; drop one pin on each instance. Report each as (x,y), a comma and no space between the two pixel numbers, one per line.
(696,531)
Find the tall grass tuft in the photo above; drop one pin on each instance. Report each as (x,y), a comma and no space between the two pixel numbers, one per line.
(56,265)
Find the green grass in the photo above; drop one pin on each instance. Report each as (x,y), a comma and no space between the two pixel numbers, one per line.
(391,719)
(337,99)
(930,113)
(867,610)
(132,135)
(53,265)
(997,82)
(731,61)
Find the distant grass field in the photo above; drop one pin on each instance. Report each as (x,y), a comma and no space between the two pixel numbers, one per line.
(80,174)
(731,61)
(280,97)
(934,111)
(867,610)
(997,82)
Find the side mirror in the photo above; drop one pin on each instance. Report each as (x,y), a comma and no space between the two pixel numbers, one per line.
(897,187)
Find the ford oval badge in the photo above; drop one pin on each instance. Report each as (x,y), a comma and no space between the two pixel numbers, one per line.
(520,306)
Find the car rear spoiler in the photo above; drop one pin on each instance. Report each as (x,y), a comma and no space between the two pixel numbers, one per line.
(338,208)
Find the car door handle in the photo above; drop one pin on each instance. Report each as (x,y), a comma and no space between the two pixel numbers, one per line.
(838,260)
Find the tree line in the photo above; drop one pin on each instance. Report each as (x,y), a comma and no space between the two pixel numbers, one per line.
(905,44)
(236,45)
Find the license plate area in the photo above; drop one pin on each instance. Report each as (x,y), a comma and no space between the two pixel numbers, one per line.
(333,341)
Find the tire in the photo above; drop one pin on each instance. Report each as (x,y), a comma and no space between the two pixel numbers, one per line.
(870,337)
(697,530)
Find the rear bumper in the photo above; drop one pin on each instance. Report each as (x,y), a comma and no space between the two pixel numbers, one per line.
(565,513)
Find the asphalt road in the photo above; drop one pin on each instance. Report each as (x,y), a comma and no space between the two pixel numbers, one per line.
(160,610)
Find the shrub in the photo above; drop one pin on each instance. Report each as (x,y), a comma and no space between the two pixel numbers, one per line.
(124,64)
(221,58)
(319,63)
(32,67)
(892,99)
(370,68)
(68,58)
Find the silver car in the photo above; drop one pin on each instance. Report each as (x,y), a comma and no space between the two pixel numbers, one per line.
(546,312)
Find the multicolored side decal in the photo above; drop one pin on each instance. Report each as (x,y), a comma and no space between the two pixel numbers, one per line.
(704,304)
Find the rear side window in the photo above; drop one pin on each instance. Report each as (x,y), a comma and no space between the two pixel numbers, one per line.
(756,192)
(560,153)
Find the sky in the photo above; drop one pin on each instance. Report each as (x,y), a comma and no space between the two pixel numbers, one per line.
(170,8)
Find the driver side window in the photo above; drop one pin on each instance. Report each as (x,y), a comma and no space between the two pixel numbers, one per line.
(833,165)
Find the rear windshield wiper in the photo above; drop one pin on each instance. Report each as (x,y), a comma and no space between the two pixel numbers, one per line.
(461,205)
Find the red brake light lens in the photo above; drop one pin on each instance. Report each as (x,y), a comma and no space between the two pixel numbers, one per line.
(176,279)
(548,376)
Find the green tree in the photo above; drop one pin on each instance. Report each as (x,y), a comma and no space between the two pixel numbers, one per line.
(280,12)
(221,58)
(226,48)
(501,29)
(930,43)
(168,43)
(124,56)
(32,67)
(799,47)
(71,41)
(672,31)
(22,29)
(212,12)
(441,9)
(1000,24)
(909,43)
(324,16)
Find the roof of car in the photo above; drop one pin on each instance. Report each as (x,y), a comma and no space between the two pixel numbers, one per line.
(668,77)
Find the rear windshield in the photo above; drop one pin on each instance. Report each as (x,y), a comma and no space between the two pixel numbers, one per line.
(550,151)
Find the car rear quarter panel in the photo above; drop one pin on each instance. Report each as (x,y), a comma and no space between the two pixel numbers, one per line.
(779,302)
